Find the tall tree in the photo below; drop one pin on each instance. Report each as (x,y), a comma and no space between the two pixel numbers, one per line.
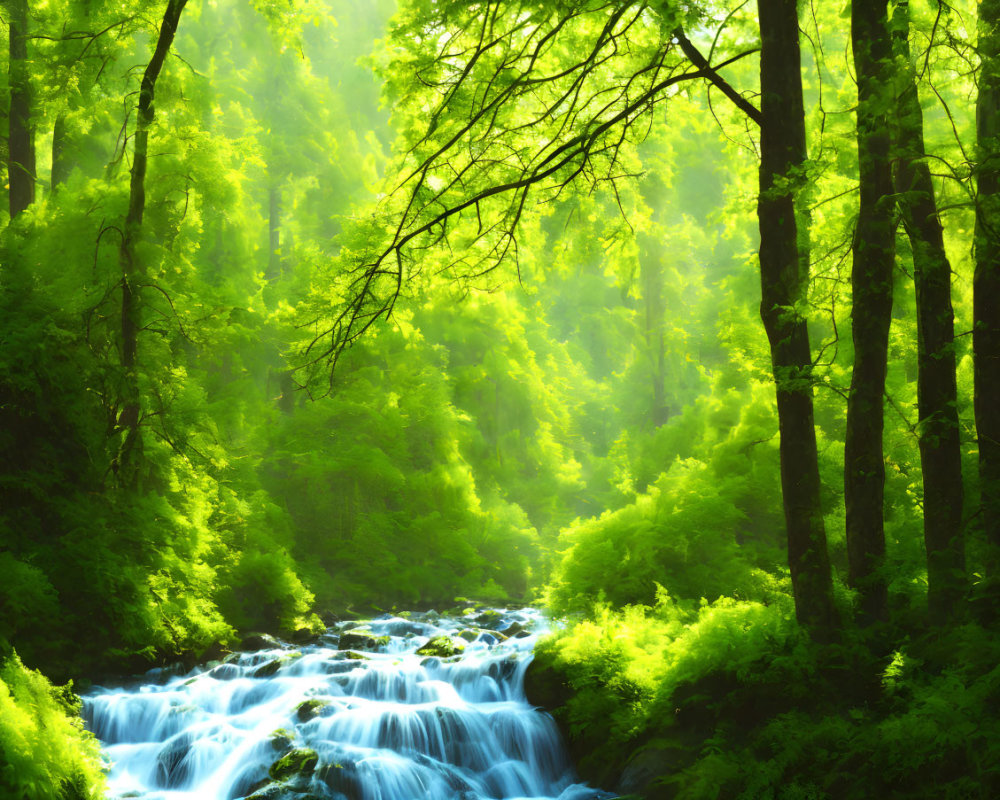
(871,289)
(21,145)
(133,270)
(784,260)
(937,391)
(986,281)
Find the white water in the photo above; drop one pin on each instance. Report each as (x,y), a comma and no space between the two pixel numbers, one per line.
(393,726)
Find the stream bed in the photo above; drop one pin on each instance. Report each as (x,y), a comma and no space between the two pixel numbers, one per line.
(392,708)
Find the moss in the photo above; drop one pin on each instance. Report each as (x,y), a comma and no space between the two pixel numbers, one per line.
(300,761)
(309,709)
(441,646)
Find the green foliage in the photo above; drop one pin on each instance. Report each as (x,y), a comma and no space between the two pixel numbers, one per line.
(45,754)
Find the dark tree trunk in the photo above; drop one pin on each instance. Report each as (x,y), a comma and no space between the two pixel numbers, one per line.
(937,392)
(133,272)
(21,159)
(61,165)
(784,282)
(871,288)
(986,285)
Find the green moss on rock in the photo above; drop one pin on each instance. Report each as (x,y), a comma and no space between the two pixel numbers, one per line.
(442,647)
(300,761)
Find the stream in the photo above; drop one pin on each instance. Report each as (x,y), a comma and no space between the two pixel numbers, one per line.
(358,713)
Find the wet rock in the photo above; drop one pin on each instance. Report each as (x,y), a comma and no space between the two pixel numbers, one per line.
(171,769)
(362,640)
(515,631)
(259,641)
(225,672)
(298,762)
(310,709)
(441,647)
(281,740)
(491,618)
(469,635)
(343,778)
(270,668)
(354,655)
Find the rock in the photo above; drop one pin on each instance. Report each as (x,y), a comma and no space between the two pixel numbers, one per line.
(300,761)
(310,709)
(361,640)
(304,635)
(171,766)
(269,668)
(469,635)
(545,685)
(281,740)
(647,767)
(214,652)
(354,655)
(489,619)
(225,672)
(259,641)
(343,778)
(516,631)
(441,646)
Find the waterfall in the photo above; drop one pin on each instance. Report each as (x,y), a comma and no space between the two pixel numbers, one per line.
(387,709)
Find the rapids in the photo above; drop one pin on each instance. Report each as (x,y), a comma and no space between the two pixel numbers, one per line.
(313,721)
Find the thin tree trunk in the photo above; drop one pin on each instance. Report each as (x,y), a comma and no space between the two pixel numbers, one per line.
(986,285)
(133,271)
(937,392)
(871,289)
(784,282)
(21,159)
(61,165)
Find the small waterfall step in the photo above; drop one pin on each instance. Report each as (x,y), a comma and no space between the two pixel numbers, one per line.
(421,707)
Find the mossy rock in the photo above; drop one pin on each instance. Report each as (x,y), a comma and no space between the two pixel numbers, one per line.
(441,647)
(469,635)
(310,709)
(259,641)
(516,631)
(361,640)
(354,655)
(271,667)
(281,739)
(300,761)
(489,618)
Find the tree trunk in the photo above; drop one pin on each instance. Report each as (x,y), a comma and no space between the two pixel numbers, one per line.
(133,271)
(784,282)
(871,289)
(21,159)
(937,392)
(986,284)
(61,165)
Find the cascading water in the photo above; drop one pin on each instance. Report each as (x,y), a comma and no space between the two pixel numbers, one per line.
(318,721)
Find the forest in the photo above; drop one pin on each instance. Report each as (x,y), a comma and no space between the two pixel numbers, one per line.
(677,320)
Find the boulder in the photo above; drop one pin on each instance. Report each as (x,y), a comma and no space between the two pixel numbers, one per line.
(310,709)
(361,639)
(516,631)
(259,641)
(301,761)
(490,618)
(269,668)
(441,647)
